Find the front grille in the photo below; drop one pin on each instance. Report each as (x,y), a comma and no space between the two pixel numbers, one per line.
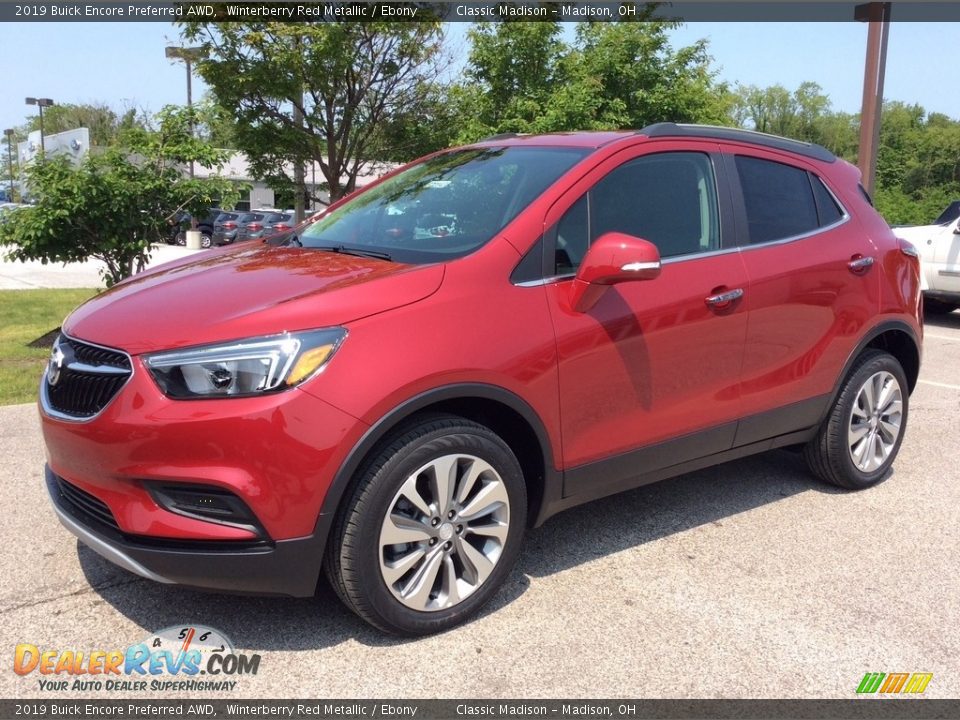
(87,380)
(86,504)
(93,355)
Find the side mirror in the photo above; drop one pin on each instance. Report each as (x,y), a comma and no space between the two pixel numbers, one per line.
(614,258)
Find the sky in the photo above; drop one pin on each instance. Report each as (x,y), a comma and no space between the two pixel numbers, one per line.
(123,64)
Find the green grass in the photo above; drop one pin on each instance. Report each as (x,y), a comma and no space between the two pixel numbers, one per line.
(26,315)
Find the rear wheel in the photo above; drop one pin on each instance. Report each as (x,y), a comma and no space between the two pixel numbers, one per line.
(860,438)
(432,528)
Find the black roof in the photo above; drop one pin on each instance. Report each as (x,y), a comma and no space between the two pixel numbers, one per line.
(669,129)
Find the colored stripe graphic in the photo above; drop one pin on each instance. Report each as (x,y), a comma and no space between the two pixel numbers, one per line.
(918,682)
(894,683)
(870,682)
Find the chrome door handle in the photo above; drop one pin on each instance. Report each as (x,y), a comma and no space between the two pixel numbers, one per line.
(724,298)
(860,265)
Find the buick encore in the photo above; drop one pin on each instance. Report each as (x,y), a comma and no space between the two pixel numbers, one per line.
(480,340)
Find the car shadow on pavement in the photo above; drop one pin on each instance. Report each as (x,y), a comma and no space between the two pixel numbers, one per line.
(574,537)
(644,515)
(943,320)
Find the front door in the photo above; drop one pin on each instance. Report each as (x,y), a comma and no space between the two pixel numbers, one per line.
(649,375)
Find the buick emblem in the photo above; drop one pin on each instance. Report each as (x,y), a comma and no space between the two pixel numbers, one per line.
(55,364)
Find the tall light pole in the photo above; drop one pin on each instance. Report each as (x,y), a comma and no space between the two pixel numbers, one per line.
(877,15)
(40,103)
(8,134)
(188,55)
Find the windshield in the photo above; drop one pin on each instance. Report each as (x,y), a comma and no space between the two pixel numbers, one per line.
(949,215)
(444,207)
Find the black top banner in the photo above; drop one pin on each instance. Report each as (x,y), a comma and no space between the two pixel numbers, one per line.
(525,11)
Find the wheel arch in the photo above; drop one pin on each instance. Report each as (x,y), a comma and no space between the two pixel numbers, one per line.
(504,412)
(899,340)
(893,336)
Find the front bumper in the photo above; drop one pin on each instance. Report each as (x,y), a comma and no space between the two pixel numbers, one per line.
(284,567)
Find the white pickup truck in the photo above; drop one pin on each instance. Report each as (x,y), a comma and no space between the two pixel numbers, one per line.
(939,247)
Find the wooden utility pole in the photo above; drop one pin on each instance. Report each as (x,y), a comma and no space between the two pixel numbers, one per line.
(877,15)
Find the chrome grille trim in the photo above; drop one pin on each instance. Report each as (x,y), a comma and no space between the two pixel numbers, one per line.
(105,372)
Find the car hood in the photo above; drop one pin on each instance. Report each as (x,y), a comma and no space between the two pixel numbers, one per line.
(245,292)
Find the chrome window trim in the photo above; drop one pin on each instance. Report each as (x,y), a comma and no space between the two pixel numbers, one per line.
(664,261)
(844,218)
(45,401)
(707,253)
(802,236)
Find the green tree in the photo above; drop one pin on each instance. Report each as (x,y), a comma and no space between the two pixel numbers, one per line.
(918,164)
(320,92)
(778,111)
(523,77)
(116,203)
(104,124)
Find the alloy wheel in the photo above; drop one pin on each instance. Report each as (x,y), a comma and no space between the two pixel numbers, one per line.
(875,422)
(444,532)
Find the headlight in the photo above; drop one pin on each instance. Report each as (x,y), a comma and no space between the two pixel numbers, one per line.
(245,367)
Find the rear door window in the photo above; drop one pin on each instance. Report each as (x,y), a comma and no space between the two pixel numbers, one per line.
(778,199)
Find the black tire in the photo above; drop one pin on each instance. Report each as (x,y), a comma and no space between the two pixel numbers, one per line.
(352,562)
(828,455)
(181,239)
(938,307)
(205,241)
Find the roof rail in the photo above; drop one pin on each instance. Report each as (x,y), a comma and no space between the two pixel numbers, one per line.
(669,129)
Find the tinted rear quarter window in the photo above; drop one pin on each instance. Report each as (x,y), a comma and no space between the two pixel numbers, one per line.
(778,199)
(827,208)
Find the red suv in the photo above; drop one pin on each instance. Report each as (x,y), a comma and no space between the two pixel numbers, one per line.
(482,339)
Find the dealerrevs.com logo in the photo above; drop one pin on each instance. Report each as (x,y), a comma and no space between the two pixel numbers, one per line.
(180,658)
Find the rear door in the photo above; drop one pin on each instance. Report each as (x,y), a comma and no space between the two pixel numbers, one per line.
(649,376)
(813,288)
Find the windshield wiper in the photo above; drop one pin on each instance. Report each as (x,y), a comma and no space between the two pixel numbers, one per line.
(359,252)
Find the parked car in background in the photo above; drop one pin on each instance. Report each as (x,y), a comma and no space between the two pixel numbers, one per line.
(9,206)
(939,248)
(274,223)
(471,345)
(181,222)
(225,228)
(291,236)
(250,225)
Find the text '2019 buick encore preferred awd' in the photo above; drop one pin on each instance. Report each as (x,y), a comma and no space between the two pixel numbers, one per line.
(481,339)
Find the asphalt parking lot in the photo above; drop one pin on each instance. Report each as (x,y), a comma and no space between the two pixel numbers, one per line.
(745,580)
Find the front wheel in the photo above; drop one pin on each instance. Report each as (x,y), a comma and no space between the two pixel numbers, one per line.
(860,438)
(432,528)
